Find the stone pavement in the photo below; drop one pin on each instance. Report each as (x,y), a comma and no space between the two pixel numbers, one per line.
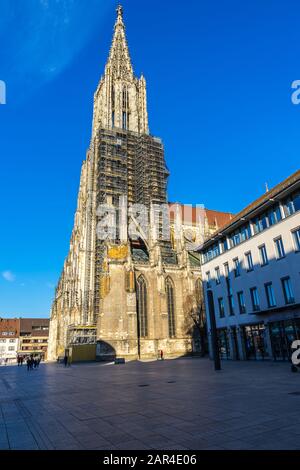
(180,404)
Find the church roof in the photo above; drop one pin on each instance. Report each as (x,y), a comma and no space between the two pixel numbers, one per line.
(191,215)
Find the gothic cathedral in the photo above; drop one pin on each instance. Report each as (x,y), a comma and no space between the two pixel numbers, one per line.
(126,286)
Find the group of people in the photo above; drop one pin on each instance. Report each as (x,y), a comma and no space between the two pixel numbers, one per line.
(20,360)
(32,362)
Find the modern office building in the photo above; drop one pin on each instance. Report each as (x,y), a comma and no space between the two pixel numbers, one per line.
(252,268)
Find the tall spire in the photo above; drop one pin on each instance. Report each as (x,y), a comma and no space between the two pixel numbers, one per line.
(121,98)
(119,58)
(120,13)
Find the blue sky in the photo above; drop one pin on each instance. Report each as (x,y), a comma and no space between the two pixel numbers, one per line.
(219,80)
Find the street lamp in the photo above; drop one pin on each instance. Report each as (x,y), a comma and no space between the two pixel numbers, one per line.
(214,336)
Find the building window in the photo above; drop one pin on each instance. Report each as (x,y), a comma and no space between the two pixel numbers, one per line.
(292,204)
(287,290)
(296,238)
(124,120)
(237,269)
(260,223)
(221,307)
(280,253)
(240,235)
(224,244)
(171,307)
(113,97)
(263,255)
(224,343)
(256,346)
(241,301)
(218,275)
(274,215)
(208,279)
(142,316)
(267,219)
(270,295)
(249,261)
(211,253)
(255,299)
(125,98)
(226,269)
(231,305)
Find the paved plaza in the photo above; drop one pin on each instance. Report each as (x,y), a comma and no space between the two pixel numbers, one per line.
(180,404)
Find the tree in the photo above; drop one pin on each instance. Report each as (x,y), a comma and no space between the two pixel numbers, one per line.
(196,319)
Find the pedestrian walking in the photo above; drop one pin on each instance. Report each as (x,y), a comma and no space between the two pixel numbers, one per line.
(28,364)
(161,355)
(65,360)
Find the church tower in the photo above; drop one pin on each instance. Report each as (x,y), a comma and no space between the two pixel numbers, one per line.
(125,287)
(120,99)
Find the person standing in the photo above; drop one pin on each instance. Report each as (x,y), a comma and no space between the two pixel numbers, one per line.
(65,360)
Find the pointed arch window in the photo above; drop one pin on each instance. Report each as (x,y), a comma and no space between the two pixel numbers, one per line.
(113,97)
(142,307)
(171,307)
(125,98)
(124,120)
(113,106)
(125,108)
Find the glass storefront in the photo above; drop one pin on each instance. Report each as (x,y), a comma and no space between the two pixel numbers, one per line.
(224,344)
(255,342)
(282,334)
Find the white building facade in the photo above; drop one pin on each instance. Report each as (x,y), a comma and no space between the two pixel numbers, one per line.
(8,350)
(252,268)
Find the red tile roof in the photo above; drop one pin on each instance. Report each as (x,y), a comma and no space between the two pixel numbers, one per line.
(192,215)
